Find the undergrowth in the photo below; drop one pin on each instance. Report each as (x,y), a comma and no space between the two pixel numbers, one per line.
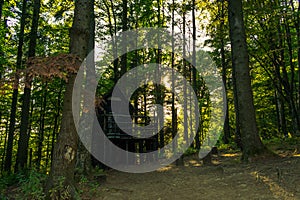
(22,185)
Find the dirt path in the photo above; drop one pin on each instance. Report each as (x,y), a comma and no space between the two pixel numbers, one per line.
(227,179)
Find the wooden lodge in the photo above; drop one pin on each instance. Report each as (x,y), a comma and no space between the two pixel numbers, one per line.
(119,137)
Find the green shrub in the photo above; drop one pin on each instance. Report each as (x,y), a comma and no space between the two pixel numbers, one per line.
(7,180)
(31,186)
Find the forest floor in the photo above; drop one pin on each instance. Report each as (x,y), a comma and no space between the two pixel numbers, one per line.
(227,178)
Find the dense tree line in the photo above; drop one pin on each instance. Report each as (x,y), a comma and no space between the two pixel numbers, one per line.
(255,45)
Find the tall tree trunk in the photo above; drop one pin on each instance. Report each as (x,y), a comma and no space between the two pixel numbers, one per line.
(194,71)
(12,120)
(185,114)
(292,104)
(297,26)
(115,47)
(42,125)
(158,88)
(251,143)
(29,160)
(226,127)
(48,153)
(56,122)
(237,131)
(124,28)
(84,162)
(174,115)
(298,53)
(24,136)
(281,82)
(64,155)
(281,112)
(112,32)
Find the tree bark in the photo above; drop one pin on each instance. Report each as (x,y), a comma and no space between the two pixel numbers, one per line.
(251,143)
(56,121)
(84,162)
(112,32)
(292,104)
(12,120)
(124,28)
(64,154)
(174,111)
(226,127)
(185,114)
(194,71)
(24,135)
(42,125)
(298,54)
(159,93)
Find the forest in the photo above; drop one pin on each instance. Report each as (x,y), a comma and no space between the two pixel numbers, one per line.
(138,99)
